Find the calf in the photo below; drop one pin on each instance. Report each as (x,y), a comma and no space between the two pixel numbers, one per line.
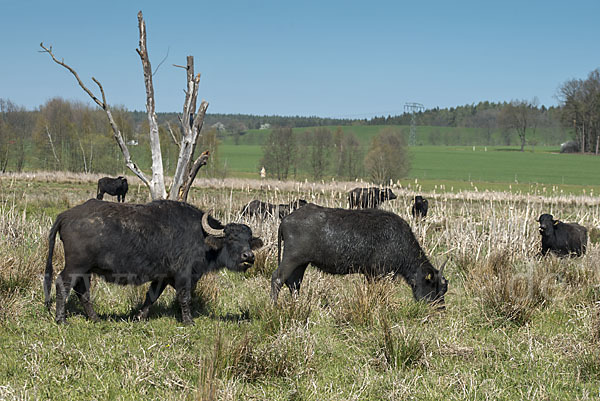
(419,208)
(113,186)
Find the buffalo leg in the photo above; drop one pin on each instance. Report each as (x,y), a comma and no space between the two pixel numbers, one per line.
(183,293)
(64,283)
(286,273)
(82,289)
(156,288)
(295,279)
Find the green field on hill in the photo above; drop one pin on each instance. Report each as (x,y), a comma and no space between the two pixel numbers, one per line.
(464,164)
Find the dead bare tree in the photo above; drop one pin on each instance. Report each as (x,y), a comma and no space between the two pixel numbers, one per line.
(191,126)
(52,145)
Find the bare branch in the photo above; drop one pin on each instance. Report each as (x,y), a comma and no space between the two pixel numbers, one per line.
(101,90)
(173,135)
(199,120)
(199,162)
(104,105)
(163,60)
(89,92)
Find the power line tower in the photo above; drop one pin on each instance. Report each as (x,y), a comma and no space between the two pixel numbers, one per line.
(413,109)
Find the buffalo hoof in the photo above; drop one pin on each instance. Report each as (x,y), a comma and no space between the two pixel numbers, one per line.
(141,315)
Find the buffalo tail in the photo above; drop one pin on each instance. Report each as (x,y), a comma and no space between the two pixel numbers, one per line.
(279,239)
(49,269)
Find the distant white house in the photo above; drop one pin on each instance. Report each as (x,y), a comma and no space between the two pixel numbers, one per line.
(265,126)
(219,126)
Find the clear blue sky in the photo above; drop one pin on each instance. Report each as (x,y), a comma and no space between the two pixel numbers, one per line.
(324,58)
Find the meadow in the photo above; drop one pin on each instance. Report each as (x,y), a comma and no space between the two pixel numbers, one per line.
(456,167)
(516,326)
(465,167)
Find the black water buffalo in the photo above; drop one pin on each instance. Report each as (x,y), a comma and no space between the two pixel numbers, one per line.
(164,242)
(339,241)
(562,239)
(113,186)
(372,197)
(264,209)
(419,208)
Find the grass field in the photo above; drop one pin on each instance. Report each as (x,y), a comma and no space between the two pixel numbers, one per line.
(516,326)
(493,168)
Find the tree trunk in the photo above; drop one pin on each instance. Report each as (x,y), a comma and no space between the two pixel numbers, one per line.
(157,183)
(191,126)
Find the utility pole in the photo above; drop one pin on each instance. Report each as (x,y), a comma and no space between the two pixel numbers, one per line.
(413,109)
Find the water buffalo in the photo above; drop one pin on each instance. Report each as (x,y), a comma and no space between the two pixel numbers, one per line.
(419,208)
(562,239)
(113,186)
(371,197)
(264,209)
(164,242)
(339,241)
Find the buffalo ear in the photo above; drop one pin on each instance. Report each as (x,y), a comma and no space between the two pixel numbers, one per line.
(214,242)
(256,243)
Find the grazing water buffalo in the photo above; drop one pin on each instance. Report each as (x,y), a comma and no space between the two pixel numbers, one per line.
(339,241)
(420,207)
(264,209)
(113,186)
(164,242)
(372,197)
(562,239)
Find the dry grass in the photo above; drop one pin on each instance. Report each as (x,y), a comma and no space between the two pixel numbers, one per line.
(366,302)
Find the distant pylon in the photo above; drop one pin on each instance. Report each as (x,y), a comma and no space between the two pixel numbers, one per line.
(413,109)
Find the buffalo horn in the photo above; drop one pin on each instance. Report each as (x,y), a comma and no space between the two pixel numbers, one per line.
(444,265)
(209,230)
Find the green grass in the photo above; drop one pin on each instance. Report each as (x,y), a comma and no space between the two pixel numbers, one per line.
(502,164)
(493,168)
(240,158)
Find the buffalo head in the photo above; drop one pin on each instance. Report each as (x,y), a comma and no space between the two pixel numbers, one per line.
(234,243)
(387,194)
(547,224)
(429,284)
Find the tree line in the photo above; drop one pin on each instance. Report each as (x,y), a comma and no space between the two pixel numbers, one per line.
(69,135)
(63,135)
(323,153)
